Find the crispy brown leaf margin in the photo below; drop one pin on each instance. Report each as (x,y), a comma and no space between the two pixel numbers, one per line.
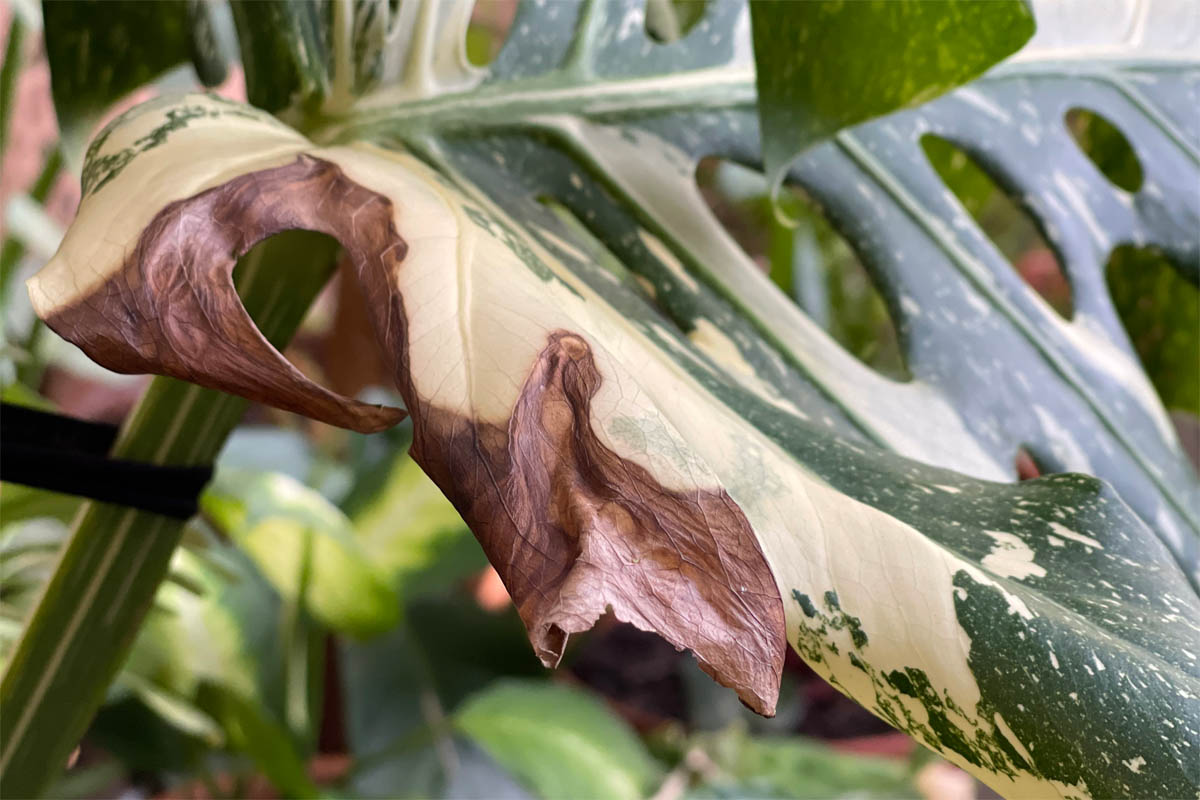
(573,529)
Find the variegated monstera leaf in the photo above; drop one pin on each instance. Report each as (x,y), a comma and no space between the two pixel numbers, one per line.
(630,416)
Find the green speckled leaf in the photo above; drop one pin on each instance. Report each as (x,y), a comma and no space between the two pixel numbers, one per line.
(824,66)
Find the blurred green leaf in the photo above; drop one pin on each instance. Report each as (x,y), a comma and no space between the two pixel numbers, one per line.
(273,518)
(235,637)
(400,689)
(561,742)
(738,765)
(140,740)
(177,711)
(823,66)
(411,532)
(253,732)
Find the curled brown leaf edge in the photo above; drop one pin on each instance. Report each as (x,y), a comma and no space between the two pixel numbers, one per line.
(573,529)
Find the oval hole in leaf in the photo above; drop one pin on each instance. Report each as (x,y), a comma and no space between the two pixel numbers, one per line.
(812,262)
(341,322)
(277,253)
(1010,227)
(670,20)
(491,21)
(1026,466)
(1107,147)
(1160,310)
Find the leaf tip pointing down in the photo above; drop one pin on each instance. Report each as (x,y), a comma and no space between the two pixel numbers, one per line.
(171,307)
(575,530)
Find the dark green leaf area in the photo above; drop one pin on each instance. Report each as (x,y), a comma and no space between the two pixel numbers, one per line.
(941,724)
(285,51)
(101,51)
(1086,730)
(823,66)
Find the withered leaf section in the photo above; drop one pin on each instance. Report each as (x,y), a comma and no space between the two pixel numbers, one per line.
(573,528)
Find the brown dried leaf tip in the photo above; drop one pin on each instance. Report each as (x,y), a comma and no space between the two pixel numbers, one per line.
(572,528)
(172,308)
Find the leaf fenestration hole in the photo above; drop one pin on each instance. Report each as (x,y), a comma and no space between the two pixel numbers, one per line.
(265,262)
(670,20)
(812,263)
(1107,147)
(1010,227)
(1160,310)
(490,23)
(1026,465)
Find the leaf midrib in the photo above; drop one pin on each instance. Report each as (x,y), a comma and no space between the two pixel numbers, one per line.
(504,104)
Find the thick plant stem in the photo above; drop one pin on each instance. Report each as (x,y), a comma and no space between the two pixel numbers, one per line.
(88,616)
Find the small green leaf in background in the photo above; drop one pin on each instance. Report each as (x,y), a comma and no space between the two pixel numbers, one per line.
(561,742)
(178,711)
(400,688)
(826,65)
(411,533)
(274,519)
(739,765)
